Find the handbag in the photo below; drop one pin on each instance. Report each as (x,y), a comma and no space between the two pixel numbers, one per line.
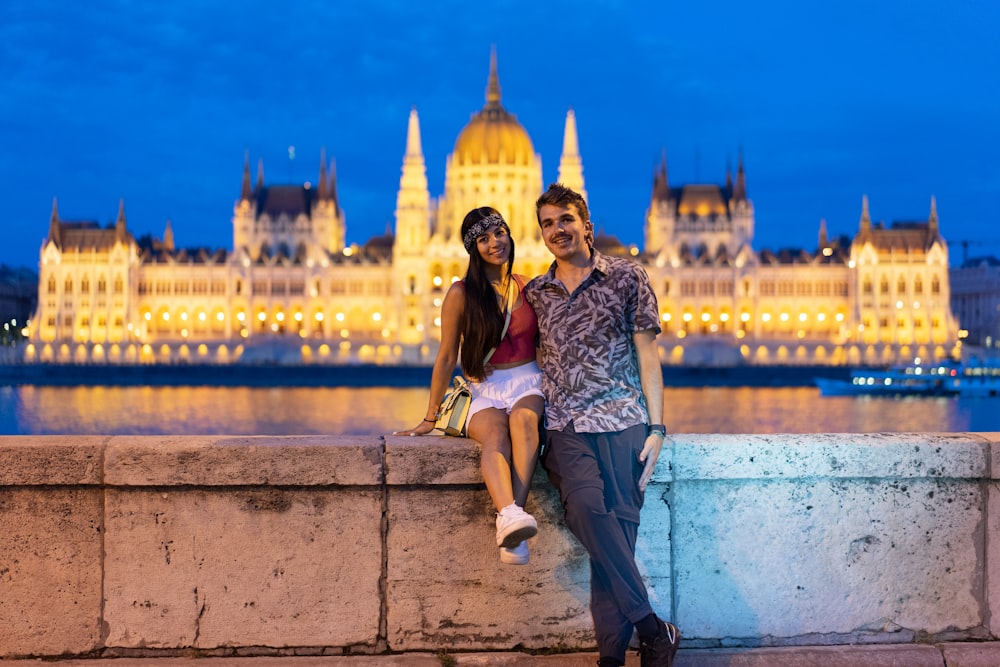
(454,410)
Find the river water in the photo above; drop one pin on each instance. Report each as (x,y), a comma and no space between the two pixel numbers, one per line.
(235,410)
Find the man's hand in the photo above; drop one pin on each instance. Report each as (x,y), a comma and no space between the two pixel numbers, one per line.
(649,455)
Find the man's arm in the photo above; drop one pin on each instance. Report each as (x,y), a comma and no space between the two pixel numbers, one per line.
(651,377)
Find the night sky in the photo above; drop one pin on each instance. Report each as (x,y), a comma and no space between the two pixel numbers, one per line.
(156,103)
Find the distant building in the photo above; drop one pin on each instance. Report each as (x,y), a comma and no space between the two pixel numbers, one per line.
(291,290)
(975,300)
(18,298)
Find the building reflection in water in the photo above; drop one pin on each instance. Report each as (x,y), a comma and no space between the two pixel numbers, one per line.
(381,410)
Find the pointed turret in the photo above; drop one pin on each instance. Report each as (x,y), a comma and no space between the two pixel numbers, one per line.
(729,175)
(260,174)
(120,230)
(168,237)
(824,239)
(740,189)
(932,220)
(865,224)
(55,229)
(323,187)
(661,185)
(245,192)
(570,163)
(493,83)
(413,198)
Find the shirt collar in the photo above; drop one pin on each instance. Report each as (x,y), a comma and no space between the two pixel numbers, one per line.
(598,262)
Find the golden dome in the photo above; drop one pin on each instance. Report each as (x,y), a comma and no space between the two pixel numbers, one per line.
(494,136)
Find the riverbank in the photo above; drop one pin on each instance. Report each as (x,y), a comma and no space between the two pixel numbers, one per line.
(363,375)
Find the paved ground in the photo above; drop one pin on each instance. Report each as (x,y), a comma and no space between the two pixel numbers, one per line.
(965,654)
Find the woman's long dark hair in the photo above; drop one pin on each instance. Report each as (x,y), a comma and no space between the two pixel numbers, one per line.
(483,320)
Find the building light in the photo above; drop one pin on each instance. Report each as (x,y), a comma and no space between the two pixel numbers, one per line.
(840,317)
(688,317)
(241,316)
(298,316)
(803,317)
(744,316)
(340,317)
(766,317)
(665,317)
(202,317)
(827,251)
(376,317)
(280,316)
(184,317)
(899,305)
(319,317)
(261,316)
(437,281)
(220,316)
(821,317)
(784,317)
(166,317)
(705,317)
(724,317)
(147,316)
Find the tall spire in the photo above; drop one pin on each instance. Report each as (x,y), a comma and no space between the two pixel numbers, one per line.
(245,192)
(661,184)
(168,237)
(323,187)
(120,222)
(493,84)
(55,229)
(865,224)
(413,148)
(932,220)
(824,239)
(260,174)
(740,190)
(570,163)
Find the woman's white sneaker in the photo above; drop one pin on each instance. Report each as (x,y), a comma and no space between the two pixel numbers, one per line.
(517,556)
(514,526)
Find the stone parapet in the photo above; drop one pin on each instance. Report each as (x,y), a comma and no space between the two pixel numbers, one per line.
(327,545)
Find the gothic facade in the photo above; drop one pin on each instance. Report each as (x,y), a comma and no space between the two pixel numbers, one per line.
(291,290)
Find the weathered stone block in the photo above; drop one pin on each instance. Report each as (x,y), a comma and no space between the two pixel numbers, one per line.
(273,567)
(50,460)
(50,570)
(244,460)
(832,556)
(446,587)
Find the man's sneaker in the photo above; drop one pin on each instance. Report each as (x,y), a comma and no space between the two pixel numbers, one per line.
(517,556)
(663,649)
(514,526)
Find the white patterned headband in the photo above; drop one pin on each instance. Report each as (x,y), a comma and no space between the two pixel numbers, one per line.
(476,230)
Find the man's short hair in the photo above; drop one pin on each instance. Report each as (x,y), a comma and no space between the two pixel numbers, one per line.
(562,196)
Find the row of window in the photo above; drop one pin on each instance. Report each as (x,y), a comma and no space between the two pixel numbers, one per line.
(102,285)
(868,287)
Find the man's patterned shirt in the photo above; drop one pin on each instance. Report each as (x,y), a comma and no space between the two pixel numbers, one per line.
(585,349)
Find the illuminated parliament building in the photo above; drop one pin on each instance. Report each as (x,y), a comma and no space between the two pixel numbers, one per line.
(292,291)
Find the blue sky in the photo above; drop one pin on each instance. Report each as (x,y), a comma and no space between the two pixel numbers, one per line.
(156,103)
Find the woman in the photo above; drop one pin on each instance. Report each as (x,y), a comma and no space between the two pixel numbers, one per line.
(507,400)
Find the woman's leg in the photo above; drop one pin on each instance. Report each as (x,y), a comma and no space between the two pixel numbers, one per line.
(490,428)
(524,420)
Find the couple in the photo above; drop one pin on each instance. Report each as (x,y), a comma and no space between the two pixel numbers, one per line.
(600,383)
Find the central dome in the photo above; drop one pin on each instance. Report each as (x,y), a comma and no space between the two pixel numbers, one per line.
(493,136)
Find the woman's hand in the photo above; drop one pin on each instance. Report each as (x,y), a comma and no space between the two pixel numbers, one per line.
(423,428)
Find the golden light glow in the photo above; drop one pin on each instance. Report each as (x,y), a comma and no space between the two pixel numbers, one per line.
(705,317)
(241,316)
(280,316)
(744,316)
(340,317)
(437,281)
(319,317)
(687,317)
(261,316)
(376,317)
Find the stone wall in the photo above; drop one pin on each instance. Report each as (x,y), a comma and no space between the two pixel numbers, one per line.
(326,545)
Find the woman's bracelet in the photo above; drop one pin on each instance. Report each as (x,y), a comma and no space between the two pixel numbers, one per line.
(430,420)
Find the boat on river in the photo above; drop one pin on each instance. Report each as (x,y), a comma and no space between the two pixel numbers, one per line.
(971,378)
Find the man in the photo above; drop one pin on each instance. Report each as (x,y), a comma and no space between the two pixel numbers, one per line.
(597,326)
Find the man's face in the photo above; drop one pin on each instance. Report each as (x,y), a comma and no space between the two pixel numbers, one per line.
(564,233)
